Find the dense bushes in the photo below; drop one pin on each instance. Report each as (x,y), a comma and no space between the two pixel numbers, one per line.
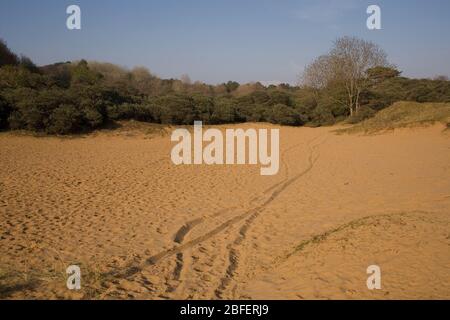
(225,111)
(404,89)
(361,114)
(284,115)
(5,110)
(72,97)
(321,116)
(7,57)
(64,119)
(53,109)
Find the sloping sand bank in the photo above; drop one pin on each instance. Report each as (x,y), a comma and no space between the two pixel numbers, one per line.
(141,227)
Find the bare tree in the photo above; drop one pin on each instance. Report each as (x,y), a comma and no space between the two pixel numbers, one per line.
(346,64)
(186,79)
(144,81)
(318,74)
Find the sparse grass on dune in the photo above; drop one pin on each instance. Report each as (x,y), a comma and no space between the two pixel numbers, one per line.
(371,221)
(402,115)
(132,128)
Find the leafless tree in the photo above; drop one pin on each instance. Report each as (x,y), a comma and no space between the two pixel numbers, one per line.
(186,79)
(346,64)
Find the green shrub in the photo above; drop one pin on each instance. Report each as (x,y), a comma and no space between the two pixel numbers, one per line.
(64,120)
(5,111)
(259,97)
(93,117)
(34,117)
(120,112)
(225,111)
(143,113)
(16,121)
(177,109)
(7,57)
(204,107)
(255,113)
(362,114)
(284,115)
(280,97)
(322,116)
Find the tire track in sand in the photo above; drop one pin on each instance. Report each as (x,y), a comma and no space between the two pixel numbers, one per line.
(233,252)
(188,226)
(185,229)
(178,249)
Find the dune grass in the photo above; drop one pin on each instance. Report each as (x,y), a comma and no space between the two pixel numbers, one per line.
(402,115)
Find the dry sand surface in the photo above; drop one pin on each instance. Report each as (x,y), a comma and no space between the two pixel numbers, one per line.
(141,227)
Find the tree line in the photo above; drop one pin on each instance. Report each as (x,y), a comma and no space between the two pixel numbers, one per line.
(351,82)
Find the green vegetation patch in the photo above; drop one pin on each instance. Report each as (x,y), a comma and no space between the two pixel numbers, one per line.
(403,114)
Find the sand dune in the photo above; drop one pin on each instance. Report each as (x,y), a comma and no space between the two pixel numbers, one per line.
(141,227)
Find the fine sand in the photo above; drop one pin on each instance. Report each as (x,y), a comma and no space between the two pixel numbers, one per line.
(140,227)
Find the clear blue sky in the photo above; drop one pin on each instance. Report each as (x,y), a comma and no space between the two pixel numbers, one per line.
(219,40)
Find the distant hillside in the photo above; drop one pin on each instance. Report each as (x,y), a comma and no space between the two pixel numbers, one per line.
(404,114)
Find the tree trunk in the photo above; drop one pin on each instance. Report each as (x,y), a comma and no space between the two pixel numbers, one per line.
(350,102)
(358,92)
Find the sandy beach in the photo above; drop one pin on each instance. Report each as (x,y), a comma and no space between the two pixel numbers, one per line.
(140,227)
